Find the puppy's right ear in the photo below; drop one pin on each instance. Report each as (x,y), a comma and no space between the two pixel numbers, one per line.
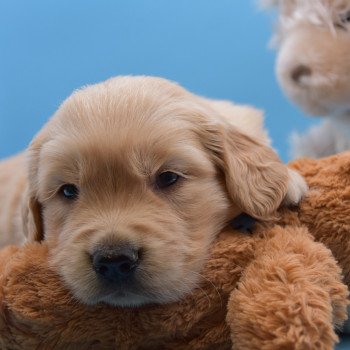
(32,218)
(31,207)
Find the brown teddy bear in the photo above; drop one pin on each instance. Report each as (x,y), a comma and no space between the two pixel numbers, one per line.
(273,288)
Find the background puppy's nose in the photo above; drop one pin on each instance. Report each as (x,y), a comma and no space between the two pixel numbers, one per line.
(299,72)
(116,264)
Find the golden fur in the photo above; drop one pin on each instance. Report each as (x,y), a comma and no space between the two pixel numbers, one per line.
(112,140)
(12,186)
(274,289)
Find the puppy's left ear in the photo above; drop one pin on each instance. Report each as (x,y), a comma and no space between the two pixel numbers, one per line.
(255,177)
(256,180)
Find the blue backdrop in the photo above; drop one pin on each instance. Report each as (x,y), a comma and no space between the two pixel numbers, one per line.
(215,48)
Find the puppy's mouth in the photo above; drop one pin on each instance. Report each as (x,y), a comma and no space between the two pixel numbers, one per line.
(126,275)
(125,298)
(119,275)
(131,292)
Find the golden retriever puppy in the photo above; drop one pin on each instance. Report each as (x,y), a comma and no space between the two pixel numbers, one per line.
(132,179)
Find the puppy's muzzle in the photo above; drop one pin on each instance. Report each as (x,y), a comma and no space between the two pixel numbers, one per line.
(116,263)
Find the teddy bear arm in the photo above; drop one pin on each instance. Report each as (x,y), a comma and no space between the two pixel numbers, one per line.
(290,297)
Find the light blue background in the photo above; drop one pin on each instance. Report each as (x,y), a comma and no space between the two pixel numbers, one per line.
(217,48)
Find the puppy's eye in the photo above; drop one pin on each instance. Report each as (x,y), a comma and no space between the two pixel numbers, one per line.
(69,191)
(166,179)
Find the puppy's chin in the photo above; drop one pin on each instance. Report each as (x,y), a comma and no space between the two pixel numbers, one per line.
(129,299)
(129,296)
(135,294)
(126,300)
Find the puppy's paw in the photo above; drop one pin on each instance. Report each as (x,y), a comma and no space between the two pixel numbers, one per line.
(297,188)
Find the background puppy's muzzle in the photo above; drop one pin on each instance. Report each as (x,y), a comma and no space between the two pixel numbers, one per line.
(115,263)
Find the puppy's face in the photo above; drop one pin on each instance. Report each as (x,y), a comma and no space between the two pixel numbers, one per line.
(131,181)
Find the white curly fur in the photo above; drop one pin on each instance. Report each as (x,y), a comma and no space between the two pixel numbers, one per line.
(326,13)
(314,36)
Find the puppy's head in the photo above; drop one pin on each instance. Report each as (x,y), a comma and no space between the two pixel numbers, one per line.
(312,64)
(130,182)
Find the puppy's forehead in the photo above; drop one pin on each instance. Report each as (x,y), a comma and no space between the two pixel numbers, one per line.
(123,104)
(126,120)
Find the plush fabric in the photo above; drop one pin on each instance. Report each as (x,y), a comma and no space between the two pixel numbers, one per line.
(313,70)
(275,288)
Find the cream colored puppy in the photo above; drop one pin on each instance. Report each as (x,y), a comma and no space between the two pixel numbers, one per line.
(313,69)
(132,179)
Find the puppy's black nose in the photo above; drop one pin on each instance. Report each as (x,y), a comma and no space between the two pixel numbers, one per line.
(115,265)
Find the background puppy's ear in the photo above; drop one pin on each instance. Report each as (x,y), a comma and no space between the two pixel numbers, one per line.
(31,219)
